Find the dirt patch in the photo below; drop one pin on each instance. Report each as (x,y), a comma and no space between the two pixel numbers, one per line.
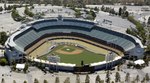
(77,51)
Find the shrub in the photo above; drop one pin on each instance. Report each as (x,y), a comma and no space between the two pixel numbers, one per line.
(3,62)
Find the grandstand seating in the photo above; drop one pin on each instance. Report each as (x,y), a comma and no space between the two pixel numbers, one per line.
(43,27)
(68,22)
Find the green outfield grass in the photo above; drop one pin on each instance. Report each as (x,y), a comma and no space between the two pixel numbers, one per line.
(87,56)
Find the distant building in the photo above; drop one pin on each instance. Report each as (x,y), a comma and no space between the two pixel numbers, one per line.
(80,2)
(132,2)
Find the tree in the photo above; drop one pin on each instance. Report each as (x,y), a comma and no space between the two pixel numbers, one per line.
(117,79)
(127,78)
(25,82)
(147,77)
(98,79)
(140,31)
(112,11)
(149,20)
(126,14)
(57,80)
(14,81)
(93,14)
(107,77)
(32,7)
(146,58)
(3,62)
(87,79)
(67,80)
(137,79)
(28,12)
(144,80)
(56,2)
(45,81)
(1,8)
(36,80)
(124,9)
(3,37)
(15,15)
(2,81)
(118,67)
(89,17)
(107,9)
(112,82)
(102,8)
(9,7)
(77,79)
(133,81)
(25,68)
(102,81)
(77,13)
(96,9)
(5,7)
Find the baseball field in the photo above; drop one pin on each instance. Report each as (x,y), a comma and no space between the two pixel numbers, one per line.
(74,54)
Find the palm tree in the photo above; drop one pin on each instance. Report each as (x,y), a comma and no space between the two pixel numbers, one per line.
(98,79)
(14,81)
(127,78)
(87,79)
(2,81)
(67,80)
(77,78)
(107,77)
(149,20)
(144,80)
(117,77)
(147,77)
(45,81)
(57,80)
(137,79)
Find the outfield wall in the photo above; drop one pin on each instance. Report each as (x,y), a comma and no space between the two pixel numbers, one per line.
(73,68)
(106,65)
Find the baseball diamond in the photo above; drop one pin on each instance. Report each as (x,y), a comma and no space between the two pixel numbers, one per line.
(73,54)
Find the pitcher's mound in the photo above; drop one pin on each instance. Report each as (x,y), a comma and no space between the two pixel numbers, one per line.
(69,50)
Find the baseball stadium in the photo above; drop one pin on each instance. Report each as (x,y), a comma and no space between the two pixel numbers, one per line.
(71,45)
